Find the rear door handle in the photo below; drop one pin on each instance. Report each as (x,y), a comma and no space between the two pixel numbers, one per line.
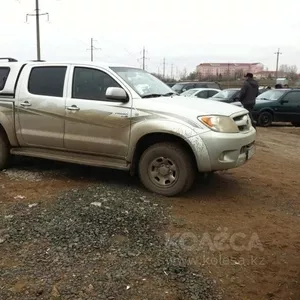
(25,103)
(73,107)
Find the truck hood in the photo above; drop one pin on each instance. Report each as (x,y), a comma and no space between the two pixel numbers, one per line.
(189,107)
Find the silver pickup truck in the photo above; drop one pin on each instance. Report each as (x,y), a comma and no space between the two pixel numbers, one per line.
(118,117)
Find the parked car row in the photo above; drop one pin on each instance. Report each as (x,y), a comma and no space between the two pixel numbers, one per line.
(275,105)
(181,87)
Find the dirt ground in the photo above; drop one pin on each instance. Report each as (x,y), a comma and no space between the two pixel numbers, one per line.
(256,206)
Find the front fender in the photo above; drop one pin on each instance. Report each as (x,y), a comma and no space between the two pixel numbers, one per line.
(140,129)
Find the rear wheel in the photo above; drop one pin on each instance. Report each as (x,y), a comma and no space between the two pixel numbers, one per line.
(4,151)
(167,169)
(265,119)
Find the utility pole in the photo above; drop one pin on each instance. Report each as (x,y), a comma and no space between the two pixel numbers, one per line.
(164,68)
(92,49)
(172,71)
(228,75)
(143,58)
(277,61)
(37,20)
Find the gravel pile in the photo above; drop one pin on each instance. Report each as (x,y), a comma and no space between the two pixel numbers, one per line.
(34,170)
(102,242)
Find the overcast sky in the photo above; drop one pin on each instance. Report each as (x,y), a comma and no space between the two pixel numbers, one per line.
(185,32)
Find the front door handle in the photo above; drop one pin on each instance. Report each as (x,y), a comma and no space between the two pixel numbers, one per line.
(73,107)
(25,103)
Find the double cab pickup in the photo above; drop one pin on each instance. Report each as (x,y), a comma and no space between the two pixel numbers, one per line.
(120,117)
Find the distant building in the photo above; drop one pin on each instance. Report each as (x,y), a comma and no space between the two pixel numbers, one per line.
(228,69)
(265,75)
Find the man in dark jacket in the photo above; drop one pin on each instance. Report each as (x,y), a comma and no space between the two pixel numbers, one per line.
(248,94)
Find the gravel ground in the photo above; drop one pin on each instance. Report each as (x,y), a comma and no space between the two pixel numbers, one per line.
(99,242)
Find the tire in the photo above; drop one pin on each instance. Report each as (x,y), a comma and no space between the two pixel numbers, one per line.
(161,157)
(265,119)
(4,151)
(296,124)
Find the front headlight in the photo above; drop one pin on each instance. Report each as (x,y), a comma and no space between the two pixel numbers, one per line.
(219,123)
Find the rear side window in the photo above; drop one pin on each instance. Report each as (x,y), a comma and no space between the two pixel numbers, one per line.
(211,93)
(3,76)
(47,81)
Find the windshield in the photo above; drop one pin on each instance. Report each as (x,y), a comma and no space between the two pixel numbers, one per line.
(189,92)
(225,94)
(144,83)
(271,95)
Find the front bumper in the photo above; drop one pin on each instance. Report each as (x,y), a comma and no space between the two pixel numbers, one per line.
(225,150)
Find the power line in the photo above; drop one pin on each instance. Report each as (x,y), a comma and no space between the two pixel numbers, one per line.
(277,61)
(37,20)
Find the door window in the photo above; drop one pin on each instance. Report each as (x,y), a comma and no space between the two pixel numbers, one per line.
(211,93)
(47,81)
(202,94)
(293,98)
(91,84)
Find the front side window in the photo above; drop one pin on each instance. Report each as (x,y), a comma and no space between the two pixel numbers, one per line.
(91,84)
(47,81)
(3,76)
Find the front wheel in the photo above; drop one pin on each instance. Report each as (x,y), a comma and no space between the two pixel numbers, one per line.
(167,169)
(265,119)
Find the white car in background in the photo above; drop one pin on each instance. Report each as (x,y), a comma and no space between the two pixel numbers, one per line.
(203,93)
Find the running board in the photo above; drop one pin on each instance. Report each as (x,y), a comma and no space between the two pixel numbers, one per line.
(73,157)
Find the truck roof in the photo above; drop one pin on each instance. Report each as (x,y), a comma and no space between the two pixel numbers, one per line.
(14,67)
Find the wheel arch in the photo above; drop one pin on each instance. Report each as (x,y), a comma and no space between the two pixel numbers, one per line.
(156,137)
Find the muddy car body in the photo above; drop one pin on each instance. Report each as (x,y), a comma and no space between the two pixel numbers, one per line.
(118,117)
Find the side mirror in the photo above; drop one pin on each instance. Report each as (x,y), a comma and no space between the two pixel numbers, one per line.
(116,93)
(284,101)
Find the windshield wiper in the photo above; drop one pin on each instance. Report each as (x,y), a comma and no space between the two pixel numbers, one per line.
(159,95)
(152,95)
(263,99)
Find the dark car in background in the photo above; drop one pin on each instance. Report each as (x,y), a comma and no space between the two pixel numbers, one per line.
(232,95)
(279,105)
(181,87)
(170,84)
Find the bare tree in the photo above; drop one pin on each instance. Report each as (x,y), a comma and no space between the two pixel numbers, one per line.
(288,70)
(292,72)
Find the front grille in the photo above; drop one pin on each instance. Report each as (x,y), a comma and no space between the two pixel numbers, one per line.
(243,122)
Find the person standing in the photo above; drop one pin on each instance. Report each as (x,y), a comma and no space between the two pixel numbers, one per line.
(248,94)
